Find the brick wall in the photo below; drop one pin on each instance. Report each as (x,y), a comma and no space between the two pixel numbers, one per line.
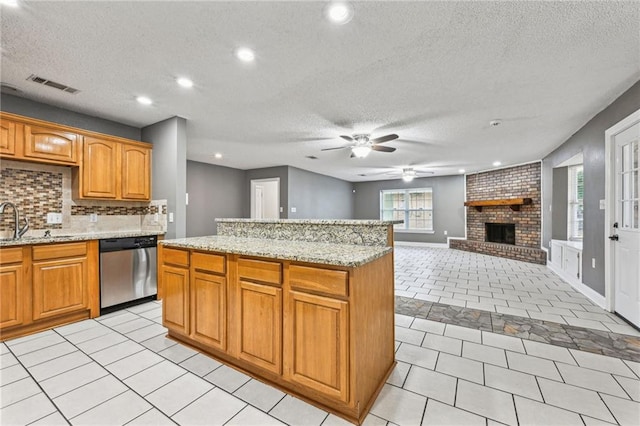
(513,182)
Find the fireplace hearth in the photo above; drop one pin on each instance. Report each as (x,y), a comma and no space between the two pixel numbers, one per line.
(503,233)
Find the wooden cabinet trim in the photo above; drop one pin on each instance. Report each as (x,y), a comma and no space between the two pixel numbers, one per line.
(61,127)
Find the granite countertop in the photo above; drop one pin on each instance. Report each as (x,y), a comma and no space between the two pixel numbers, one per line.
(302,251)
(27,241)
(314,221)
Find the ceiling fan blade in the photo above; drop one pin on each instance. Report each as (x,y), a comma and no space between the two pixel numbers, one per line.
(383,139)
(331,149)
(382,148)
(347,138)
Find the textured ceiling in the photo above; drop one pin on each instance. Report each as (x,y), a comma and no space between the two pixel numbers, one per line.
(435,73)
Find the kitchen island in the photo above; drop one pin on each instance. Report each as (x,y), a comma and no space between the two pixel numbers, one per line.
(315,319)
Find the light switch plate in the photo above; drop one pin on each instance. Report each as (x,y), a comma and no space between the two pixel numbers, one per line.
(170,217)
(602,205)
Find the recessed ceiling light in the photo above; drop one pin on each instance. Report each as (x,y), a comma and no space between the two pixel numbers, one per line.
(184,82)
(496,163)
(339,13)
(461,171)
(218,155)
(144,100)
(11,3)
(245,54)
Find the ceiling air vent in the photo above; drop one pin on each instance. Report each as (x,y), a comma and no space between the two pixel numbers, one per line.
(53,84)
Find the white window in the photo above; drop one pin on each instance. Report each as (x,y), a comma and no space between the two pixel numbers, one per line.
(413,206)
(576,205)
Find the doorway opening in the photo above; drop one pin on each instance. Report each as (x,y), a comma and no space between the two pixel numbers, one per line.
(265,198)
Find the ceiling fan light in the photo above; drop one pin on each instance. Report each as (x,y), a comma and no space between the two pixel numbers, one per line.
(361,151)
(408,175)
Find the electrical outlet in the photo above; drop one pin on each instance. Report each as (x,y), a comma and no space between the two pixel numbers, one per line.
(156,217)
(293,210)
(54,218)
(93,217)
(281,209)
(170,217)
(445,232)
(593,262)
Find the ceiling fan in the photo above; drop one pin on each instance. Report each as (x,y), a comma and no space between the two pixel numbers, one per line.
(407,173)
(361,144)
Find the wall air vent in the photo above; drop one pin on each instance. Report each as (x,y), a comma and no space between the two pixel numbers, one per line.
(55,85)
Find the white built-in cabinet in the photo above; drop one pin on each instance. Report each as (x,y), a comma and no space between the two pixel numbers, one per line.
(566,260)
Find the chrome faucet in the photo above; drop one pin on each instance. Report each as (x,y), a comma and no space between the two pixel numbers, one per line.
(18,232)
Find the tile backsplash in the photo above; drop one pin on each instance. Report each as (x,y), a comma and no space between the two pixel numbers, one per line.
(38,189)
(35,193)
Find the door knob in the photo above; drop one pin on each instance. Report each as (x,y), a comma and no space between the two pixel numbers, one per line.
(614,237)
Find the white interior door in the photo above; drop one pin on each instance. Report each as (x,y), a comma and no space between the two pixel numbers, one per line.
(259,194)
(265,198)
(625,230)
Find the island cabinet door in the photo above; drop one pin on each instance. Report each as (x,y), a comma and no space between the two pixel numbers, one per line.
(175,302)
(209,310)
(260,325)
(317,351)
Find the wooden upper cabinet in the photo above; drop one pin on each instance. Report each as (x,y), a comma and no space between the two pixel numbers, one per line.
(99,168)
(7,137)
(136,172)
(51,145)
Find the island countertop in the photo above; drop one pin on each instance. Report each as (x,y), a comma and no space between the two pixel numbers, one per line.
(362,222)
(302,251)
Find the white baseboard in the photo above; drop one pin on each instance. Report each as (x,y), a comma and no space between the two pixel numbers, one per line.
(590,293)
(418,244)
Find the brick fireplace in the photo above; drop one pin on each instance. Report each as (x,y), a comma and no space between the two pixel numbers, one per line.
(498,228)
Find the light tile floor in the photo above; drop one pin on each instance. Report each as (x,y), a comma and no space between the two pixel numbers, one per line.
(120,369)
(495,284)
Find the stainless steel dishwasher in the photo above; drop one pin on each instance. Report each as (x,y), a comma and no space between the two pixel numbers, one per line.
(127,272)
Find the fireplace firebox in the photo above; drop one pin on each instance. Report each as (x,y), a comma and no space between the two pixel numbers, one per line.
(504,233)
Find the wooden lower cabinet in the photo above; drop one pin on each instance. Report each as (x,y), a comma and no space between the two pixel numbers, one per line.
(325,334)
(260,325)
(209,309)
(175,299)
(12,289)
(59,287)
(318,344)
(44,286)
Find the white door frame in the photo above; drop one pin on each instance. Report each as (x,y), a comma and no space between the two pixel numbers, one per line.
(255,182)
(610,197)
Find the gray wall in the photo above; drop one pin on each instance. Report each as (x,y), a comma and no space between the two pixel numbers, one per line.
(560,203)
(281,172)
(169,175)
(317,196)
(214,191)
(448,203)
(28,108)
(590,140)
